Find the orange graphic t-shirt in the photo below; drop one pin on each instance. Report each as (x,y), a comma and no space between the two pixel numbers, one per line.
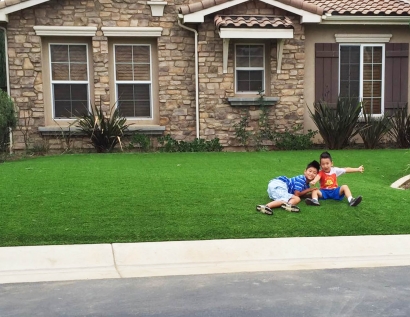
(329,180)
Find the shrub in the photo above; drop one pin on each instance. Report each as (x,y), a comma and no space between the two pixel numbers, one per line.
(169,144)
(337,126)
(104,131)
(241,131)
(142,141)
(400,131)
(7,119)
(291,140)
(373,129)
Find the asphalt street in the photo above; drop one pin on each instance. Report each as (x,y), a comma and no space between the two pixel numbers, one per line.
(369,292)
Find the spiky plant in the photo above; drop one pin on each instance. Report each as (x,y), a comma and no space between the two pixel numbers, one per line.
(400,131)
(337,126)
(375,128)
(104,130)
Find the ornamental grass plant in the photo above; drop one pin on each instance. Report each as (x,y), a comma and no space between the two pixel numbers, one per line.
(135,197)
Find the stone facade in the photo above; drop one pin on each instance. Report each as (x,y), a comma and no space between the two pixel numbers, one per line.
(176,68)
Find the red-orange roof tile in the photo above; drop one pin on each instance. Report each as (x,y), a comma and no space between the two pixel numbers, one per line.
(255,21)
(333,7)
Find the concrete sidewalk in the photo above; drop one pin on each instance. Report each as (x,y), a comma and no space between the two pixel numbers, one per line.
(101,261)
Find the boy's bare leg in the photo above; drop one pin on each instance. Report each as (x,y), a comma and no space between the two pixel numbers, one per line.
(294,200)
(314,201)
(344,189)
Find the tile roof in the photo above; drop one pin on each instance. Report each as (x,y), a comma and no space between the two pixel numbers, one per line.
(363,7)
(255,21)
(334,7)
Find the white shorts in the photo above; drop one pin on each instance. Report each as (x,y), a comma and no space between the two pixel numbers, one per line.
(278,190)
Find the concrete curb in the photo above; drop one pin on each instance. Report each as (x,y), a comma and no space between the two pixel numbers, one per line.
(77,262)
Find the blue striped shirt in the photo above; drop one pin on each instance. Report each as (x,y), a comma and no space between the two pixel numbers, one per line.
(298,183)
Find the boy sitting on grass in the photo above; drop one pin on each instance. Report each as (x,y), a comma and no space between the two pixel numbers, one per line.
(328,183)
(285,192)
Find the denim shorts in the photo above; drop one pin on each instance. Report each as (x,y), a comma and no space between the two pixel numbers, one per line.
(332,194)
(278,190)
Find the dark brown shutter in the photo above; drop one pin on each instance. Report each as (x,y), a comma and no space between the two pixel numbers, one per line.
(396,75)
(327,72)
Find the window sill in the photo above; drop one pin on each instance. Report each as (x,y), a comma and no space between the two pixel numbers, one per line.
(255,101)
(59,131)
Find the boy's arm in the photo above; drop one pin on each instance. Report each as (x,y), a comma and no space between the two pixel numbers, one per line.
(315,180)
(356,169)
(304,192)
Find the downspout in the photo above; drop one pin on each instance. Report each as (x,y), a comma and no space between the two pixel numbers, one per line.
(196,74)
(7,81)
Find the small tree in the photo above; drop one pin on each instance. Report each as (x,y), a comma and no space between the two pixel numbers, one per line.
(7,119)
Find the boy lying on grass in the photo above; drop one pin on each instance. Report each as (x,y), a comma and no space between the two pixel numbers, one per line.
(329,188)
(285,192)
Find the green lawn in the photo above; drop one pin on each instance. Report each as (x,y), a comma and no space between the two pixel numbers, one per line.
(104,198)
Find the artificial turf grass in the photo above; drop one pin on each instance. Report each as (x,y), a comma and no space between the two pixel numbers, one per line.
(106,198)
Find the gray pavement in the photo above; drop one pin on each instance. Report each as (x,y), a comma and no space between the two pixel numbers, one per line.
(372,292)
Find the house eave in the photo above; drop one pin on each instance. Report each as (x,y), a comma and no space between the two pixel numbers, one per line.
(199,16)
(18,7)
(373,20)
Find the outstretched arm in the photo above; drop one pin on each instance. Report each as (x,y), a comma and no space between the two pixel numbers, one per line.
(356,169)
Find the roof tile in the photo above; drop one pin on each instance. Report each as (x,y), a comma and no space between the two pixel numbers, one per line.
(253,21)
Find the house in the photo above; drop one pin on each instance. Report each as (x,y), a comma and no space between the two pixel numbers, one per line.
(189,68)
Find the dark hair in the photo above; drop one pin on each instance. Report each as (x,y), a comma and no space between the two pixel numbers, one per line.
(314,164)
(326,155)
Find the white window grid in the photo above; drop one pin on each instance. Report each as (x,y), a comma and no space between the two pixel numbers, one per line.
(135,81)
(362,47)
(262,68)
(52,82)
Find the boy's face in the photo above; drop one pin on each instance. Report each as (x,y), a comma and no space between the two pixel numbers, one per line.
(326,164)
(310,173)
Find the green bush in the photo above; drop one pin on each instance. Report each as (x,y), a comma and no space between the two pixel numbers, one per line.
(141,141)
(337,126)
(169,144)
(400,131)
(104,131)
(291,140)
(7,119)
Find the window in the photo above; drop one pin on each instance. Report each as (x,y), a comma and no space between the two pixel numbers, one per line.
(69,80)
(249,68)
(361,75)
(133,80)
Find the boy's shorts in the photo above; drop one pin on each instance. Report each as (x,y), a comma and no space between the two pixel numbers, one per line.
(332,194)
(278,190)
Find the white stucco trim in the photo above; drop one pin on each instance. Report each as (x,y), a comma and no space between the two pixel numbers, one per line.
(363,38)
(43,30)
(157,8)
(17,7)
(198,17)
(257,33)
(132,31)
(371,20)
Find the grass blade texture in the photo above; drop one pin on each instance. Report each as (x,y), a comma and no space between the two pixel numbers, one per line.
(95,198)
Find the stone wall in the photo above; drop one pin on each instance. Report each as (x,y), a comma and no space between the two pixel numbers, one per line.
(176,64)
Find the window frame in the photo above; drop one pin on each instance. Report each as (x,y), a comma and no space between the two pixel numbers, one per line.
(52,82)
(361,68)
(133,82)
(263,68)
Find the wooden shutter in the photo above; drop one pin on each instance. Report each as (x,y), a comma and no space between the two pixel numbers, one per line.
(327,72)
(396,76)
